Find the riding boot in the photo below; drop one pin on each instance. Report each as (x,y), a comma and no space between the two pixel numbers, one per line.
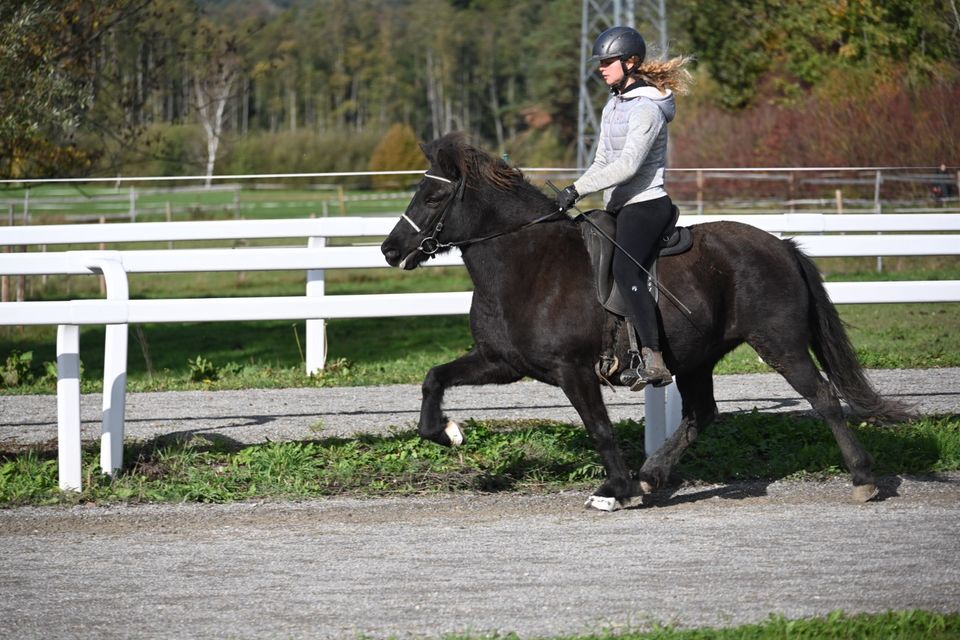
(655,370)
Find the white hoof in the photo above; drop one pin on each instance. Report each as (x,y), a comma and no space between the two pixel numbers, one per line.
(604,504)
(454,433)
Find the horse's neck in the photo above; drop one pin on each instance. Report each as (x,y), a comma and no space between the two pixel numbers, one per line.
(503,265)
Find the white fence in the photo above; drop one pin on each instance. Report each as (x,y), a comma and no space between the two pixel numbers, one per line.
(899,235)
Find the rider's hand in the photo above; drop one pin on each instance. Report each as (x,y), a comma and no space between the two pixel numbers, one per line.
(566,199)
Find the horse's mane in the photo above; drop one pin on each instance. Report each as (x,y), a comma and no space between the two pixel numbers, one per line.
(454,154)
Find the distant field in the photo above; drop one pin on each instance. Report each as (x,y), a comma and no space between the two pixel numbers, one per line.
(57,204)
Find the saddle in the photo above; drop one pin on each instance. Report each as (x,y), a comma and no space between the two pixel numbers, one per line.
(675,240)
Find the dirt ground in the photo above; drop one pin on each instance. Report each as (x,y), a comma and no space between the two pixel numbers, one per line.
(537,565)
(425,566)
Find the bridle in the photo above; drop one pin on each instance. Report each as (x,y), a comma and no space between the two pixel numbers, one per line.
(431,244)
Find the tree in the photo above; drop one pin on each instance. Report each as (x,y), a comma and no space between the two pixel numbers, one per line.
(785,47)
(48,81)
(213,82)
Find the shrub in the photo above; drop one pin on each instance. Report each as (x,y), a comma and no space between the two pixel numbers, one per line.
(398,150)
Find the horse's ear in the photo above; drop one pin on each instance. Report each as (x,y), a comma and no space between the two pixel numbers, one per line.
(446,161)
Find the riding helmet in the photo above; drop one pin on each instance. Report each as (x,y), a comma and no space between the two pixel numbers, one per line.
(619,42)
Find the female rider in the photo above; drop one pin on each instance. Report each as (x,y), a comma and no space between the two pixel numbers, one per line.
(629,163)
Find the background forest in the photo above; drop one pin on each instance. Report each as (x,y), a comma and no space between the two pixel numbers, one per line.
(146,87)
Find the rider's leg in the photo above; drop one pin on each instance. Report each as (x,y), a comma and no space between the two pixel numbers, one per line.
(639,227)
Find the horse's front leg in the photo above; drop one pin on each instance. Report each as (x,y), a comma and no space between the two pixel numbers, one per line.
(583,390)
(470,369)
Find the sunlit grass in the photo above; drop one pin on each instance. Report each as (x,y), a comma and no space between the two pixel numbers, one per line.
(530,455)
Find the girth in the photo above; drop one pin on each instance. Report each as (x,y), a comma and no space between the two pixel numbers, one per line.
(675,240)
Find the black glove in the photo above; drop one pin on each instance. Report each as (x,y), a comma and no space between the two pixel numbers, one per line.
(566,199)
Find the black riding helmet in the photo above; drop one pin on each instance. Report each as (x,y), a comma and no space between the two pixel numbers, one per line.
(622,43)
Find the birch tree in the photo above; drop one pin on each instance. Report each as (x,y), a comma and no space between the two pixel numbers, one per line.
(216,74)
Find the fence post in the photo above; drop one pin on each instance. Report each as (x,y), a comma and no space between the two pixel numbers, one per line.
(114,370)
(792,191)
(654,419)
(68,407)
(878,209)
(133,204)
(699,192)
(316,329)
(5,279)
(169,216)
(103,247)
(662,412)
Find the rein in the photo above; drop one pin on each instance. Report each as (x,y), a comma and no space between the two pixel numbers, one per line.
(431,244)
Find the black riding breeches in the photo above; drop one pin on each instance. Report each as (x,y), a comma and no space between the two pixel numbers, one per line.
(639,227)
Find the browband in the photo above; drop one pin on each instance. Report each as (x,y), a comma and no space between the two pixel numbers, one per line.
(440,178)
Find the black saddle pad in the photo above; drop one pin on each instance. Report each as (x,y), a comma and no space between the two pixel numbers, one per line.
(675,240)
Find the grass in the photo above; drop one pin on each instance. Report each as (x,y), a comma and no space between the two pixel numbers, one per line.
(892,625)
(525,456)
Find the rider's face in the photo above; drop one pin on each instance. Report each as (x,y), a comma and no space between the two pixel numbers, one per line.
(611,70)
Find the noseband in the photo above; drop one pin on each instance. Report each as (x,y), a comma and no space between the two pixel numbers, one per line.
(431,244)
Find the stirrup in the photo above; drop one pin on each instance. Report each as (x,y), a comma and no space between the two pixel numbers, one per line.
(633,379)
(632,376)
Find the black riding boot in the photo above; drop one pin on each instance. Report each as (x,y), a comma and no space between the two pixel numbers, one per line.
(651,370)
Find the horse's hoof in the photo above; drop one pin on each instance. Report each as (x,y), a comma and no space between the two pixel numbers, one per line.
(454,433)
(602,503)
(646,487)
(865,492)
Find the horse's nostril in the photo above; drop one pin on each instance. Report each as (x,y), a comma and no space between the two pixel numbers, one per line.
(391,254)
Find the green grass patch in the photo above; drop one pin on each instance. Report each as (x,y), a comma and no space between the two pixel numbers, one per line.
(498,456)
(892,625)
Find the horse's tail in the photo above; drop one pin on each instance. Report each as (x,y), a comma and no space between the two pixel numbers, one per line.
(836,354)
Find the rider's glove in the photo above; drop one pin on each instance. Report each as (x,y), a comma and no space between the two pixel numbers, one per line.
(566,199)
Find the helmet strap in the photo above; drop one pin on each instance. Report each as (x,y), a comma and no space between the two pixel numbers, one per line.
(618,88)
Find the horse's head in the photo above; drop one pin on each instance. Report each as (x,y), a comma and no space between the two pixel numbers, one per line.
(446,206)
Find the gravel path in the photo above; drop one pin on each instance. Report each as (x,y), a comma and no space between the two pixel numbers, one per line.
(537,565)
(256,415)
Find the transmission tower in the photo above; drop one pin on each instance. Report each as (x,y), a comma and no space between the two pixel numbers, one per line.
(597,17)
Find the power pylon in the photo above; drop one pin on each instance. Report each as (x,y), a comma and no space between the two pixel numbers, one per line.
(598,16)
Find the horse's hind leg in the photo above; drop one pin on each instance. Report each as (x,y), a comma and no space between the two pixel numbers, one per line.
(583,390)
(470,369)
(802,374)
(699,410)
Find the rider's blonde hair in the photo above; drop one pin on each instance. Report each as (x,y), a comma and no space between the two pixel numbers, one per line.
(667,74)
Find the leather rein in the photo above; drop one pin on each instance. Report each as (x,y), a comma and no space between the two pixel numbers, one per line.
(431,244)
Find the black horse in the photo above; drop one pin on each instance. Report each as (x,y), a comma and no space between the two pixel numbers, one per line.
(535,313)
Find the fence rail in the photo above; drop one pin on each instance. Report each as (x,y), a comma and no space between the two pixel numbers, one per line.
(906,234)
